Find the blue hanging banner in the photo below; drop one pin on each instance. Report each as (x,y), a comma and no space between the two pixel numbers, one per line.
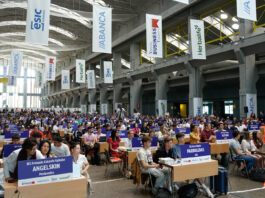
(45,170)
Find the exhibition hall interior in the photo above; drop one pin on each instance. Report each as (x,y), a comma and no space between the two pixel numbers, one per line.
(132,98)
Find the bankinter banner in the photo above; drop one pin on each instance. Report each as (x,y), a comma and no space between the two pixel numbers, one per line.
(154,42)
(102,29)
(38,22)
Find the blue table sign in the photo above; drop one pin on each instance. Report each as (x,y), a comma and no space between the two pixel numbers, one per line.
(9,148)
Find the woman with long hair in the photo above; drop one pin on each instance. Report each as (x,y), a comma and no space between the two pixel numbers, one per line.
(45,149)
(114,142)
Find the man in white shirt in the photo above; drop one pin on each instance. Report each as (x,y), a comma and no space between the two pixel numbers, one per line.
(59,148)
(128,141)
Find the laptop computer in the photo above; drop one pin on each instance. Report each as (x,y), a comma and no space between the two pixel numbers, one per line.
(102,139)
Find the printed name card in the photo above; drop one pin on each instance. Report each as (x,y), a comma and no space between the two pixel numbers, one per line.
(223,137)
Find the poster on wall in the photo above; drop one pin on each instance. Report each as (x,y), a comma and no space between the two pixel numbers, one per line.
(197,39)
(197,107)
(246,9)
(251,103)
(38,22)
(154,36)
(162,107)
(102,29)
(92,108)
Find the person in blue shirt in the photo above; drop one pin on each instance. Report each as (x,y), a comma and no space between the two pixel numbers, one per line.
(78,134)
(176,148)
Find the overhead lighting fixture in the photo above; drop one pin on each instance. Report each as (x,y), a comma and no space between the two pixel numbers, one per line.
(98,66)
(223,15)
(126,63)
(235,26)
(96,2)
(234,19)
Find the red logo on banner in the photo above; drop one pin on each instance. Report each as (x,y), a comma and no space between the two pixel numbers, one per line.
(51,60)
(154,23)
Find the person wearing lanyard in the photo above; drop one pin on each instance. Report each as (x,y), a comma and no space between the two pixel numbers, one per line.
(82,162)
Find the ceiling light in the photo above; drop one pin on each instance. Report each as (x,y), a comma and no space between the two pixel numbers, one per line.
(224,16)
(98,66)
(234,19)
(96,2)
(235,26)
(126,63)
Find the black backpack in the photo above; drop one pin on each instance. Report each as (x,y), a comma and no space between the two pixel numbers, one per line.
(257,174)
(163,193)
(188,191)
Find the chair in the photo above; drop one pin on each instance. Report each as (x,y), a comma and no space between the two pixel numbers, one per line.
(238,163)
(111,161)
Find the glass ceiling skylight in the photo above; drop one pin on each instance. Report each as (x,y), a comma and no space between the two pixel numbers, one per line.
(126,63)
(96,2)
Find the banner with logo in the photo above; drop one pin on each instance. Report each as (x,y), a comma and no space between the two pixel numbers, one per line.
(108,78)
(38,22)
(182,1)
(162,107)
(65,79)
(197,39)
(186,131)
(137,143)
(195,153)
(50,68)
(45,170)
(246,9)
(104,108)
(16,63)
(12,81)
(92,108)
(39,79)
(251,103)
(102,29)
(91,82)
(154,39)
(254,127)
(223,136)
(80,71)
(197,106)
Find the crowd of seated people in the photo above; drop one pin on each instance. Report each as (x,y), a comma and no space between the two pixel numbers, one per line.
(56,134)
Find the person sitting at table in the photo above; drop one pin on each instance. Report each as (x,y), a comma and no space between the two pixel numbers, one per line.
(257,139)
(237,153)
(114,142)
(177,155)
(165,150)
(37,136)
(14,140)
(99,134)
(162,133)
(128,141)
(59,148)
(145,128)
(207,133)
(45,149)
(27,152)
(81,160)
(194,134)
(36,130)
(148,166)
(90,143)
(136,130)
(78,134)
(68,132)
(152,133)
(249,147)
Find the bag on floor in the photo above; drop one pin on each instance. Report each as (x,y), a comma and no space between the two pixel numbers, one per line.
(257,174)
(163,193)
(219,183)
(188,191)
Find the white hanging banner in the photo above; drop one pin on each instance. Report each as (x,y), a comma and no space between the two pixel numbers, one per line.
(16,63)
(251,103)
(39,79)
(102,29)
(104,108)
(91,84)
(182,1)
(38,22)
(154,41)
(65,79)
(246,9)
(80,71)
(92,108)
(5,71)
(108,77)
(197,107)
(50,68)
(12,81)
(162,107)
(197,39)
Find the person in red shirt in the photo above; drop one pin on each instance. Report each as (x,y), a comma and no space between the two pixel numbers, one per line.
(207,133)
(36,130)
(114,142)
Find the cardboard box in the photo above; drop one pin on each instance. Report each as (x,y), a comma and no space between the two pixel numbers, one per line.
(75,188)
